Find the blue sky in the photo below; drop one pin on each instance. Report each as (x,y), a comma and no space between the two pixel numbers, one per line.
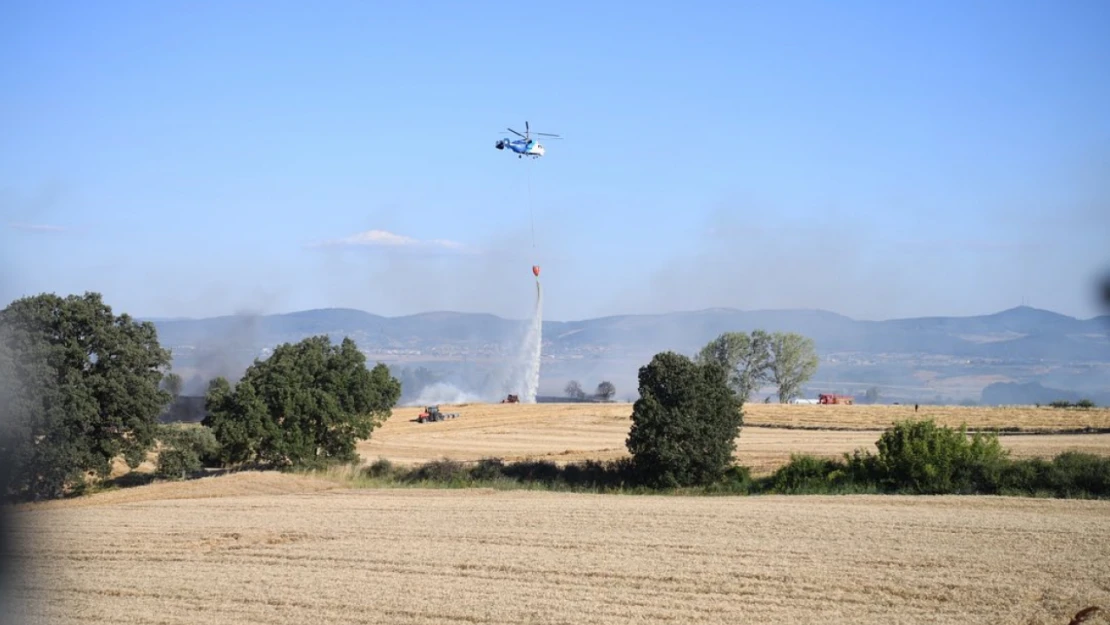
(874,159)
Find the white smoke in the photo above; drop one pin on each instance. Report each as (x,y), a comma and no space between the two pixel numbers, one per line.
(444,393)
(518,376)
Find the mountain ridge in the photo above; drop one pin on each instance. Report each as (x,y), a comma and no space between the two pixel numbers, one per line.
(968,353)
(691,311)
(1022,332)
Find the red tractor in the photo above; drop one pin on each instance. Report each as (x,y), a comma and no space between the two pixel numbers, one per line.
(832,398)
(432,413)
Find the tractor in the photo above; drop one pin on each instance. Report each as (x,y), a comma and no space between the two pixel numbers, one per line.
(432,413)
(511,399)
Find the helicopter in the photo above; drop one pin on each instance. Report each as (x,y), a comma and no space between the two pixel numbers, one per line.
(526,145)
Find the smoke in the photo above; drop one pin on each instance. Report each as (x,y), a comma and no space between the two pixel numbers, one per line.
(754,256)
(446,393)
(482,276)
(519,375)
(227,354)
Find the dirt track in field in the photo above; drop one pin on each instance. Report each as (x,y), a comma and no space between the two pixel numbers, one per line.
(571,432)
(238,553)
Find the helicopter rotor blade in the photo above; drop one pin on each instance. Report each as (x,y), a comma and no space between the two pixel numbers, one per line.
(546,134)
(515,132)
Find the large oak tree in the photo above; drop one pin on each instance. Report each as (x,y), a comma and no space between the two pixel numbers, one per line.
(80,388)
(308,405)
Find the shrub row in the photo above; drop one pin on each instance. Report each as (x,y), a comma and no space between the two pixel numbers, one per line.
(1068,475)
(1085,404)
(914,457)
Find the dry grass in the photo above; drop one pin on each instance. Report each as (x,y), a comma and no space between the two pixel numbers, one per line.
(764,450)
(1027,418)
(228,485)
(572,432)
(440,556)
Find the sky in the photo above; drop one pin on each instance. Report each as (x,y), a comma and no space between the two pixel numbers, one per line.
(874,159)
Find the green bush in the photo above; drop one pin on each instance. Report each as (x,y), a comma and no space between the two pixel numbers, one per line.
(806,474)
(381,467)
(441,471)
(1070,474)
(186,451)
(737,480)
(1074,474)
(488,469)
(1022,477)
(920,457)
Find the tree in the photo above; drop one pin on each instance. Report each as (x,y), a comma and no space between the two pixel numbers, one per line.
(793,362)
(239,420)
(685,423)
(574,390)
(747,358)
(82,388)
(307,405)
(606,390)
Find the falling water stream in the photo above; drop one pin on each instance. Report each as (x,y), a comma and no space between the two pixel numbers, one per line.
(530,352)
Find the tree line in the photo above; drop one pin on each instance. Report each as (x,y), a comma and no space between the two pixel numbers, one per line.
(81,386)
(605,391)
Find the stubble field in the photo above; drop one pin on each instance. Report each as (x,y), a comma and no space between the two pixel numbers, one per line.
(579,431)
(288,550)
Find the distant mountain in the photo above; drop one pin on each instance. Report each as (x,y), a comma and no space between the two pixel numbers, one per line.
(1034,393)
(1021,336)
(1023,332)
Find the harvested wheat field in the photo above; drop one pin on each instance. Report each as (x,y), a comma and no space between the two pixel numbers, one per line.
(312,554)
(1024,418)
(579,431)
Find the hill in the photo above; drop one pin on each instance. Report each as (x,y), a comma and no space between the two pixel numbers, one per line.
(1021,332)
(1022,344)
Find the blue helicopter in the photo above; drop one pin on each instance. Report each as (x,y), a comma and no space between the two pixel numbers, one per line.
(526,145)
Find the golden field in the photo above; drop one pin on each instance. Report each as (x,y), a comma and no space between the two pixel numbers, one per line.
(281,549)
(578,431)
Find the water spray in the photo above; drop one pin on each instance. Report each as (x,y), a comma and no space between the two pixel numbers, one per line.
(531,349)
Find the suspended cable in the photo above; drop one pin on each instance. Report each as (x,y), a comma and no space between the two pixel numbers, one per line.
(531,215)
